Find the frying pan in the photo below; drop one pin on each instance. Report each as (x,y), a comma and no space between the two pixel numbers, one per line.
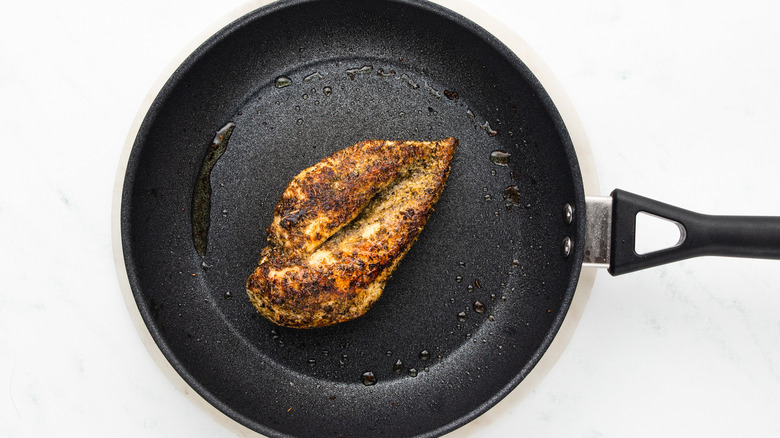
(362,70)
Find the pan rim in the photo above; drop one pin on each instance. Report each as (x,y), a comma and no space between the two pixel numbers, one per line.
(548,82)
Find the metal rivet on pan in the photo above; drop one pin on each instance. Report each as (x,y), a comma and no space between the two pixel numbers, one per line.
(568,213)
(567,244)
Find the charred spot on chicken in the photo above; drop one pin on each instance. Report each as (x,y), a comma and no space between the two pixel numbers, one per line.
(341,228)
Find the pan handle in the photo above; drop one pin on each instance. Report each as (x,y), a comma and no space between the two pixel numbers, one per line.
(700,234)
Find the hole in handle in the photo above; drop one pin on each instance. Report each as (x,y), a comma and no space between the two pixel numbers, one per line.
(655,233)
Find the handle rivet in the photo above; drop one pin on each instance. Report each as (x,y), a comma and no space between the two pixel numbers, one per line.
(567,245)
(568,213)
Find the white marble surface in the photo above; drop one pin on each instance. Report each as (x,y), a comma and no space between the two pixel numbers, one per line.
(680,101)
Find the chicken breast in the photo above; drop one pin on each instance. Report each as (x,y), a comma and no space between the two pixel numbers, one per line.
(341,228)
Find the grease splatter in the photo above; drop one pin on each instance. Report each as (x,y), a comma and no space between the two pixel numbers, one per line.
(201,198)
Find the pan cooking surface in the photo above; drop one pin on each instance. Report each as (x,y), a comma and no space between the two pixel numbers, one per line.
(476,300)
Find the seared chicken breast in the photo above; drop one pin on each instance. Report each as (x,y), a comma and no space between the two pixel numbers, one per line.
(341,228)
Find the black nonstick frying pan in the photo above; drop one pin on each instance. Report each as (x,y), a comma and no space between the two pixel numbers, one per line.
(478,299)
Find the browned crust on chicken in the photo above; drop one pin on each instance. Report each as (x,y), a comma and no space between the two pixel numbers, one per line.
(341,228)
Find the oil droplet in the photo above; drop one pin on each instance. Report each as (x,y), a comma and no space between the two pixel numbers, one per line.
(297,107)
(500,158)
(274,334)
(405,78)
(313,76)
(432,91)
(490,131)
(398,366)
(311,362)
(282,81)
(424,355)
(488,197)
(327,91)
(352,72)
(412,372)
(479,307)
(458,279)
(228,295)
(493,172)
(384,74)
(512,194)
(470,288)
(368,378)
(462,317)
(201,198)
(305,96)
(299,122)
(462,263)
(389,353)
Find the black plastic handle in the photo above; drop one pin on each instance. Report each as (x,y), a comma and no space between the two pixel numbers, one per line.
(703,235)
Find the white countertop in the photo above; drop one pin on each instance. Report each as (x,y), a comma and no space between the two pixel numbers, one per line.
(680,102)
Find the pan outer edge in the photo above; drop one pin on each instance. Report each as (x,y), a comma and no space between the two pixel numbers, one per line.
(151,346)
(501,411)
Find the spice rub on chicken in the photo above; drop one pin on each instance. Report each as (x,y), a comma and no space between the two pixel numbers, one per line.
(341,228)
